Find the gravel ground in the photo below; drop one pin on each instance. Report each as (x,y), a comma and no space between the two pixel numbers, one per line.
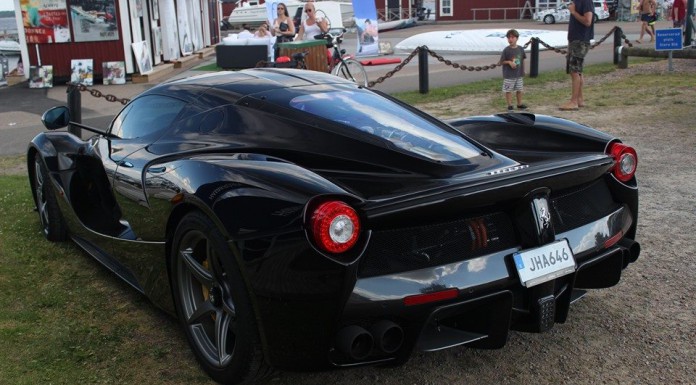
(642,331)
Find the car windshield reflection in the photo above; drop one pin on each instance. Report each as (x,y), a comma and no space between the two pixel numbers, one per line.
(389,121)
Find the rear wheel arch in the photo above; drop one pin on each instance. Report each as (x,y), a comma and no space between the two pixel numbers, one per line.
(194,236)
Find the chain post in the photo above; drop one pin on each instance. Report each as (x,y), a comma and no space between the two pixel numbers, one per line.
(534,62)
(618,33)
(423,70)
(75,108)
(690,29)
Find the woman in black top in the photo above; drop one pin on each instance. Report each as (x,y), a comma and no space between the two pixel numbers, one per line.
(283,27)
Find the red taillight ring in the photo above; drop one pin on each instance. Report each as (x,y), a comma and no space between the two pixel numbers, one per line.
(626,161)
(335,226)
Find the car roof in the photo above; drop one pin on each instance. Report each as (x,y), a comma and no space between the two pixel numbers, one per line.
(231,86)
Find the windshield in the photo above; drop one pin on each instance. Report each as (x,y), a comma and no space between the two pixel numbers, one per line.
(384,119)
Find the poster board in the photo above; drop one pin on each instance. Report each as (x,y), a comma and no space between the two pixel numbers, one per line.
(143,57)
(82,71)
(113,72)
(41,76)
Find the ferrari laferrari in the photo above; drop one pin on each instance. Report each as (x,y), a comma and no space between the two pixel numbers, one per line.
(292,219)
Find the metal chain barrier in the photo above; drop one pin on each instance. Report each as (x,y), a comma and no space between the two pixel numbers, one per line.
(596,43)
(395,70)
(98,94)
(436,56)
(459,66)
(111,98)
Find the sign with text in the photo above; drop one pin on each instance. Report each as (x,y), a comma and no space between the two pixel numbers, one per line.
(668,39)
(45,21)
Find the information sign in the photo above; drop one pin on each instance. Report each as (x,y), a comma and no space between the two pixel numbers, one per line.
(669,39)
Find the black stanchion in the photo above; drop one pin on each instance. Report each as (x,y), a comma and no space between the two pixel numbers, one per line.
(423,70)
(617,43)
(534,62)
(690,29)
(75,108)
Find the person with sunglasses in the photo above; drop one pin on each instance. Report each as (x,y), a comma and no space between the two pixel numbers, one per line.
(283,27)
(312,25)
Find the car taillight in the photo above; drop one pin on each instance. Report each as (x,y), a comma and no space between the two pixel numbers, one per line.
(335,226)
(626,161)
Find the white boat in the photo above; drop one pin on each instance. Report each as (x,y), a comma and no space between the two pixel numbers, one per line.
(477,41)
(253,13)
(90,16)
(10,48)
(395,24)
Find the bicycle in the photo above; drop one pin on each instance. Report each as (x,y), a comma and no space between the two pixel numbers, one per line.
(341,64)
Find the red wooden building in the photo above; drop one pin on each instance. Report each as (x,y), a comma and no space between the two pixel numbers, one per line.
(139,34)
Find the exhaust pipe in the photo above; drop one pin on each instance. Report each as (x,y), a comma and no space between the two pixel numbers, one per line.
(632,247)
(388,336)
(355,342)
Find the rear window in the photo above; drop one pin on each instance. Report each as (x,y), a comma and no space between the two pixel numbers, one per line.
(390,122)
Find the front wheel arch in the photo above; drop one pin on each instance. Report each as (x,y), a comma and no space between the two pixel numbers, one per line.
(53,225)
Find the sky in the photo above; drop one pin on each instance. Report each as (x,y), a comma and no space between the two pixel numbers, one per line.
(6,5)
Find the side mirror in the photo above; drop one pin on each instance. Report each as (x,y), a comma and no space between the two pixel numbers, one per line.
(56,117)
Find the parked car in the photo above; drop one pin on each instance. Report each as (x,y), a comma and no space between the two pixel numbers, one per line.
(292,219)
(562,15)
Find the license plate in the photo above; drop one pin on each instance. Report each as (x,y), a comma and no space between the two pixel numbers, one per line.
(544,263)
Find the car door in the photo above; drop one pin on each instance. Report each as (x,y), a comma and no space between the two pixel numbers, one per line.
(138,125)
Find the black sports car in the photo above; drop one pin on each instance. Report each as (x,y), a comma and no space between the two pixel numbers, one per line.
(292,219)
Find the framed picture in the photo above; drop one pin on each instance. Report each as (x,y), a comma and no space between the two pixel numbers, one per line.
(113,72)
(41,77)
(82,71)
(94,20)
(143,57)
(155,9)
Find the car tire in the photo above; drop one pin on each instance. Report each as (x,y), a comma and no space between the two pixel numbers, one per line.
(595,18)
(53,226)
(213,305)
(549,19)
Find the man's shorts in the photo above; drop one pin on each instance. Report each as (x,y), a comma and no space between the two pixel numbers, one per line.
(516,84)
(577,50)
(646,17)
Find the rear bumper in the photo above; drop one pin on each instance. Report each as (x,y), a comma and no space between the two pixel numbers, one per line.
(489,299)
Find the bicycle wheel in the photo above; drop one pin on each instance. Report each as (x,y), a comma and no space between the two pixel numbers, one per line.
(352,70)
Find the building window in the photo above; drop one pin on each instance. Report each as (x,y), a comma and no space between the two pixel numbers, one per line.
(445,7)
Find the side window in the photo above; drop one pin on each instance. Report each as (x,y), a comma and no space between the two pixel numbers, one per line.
(146,115)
